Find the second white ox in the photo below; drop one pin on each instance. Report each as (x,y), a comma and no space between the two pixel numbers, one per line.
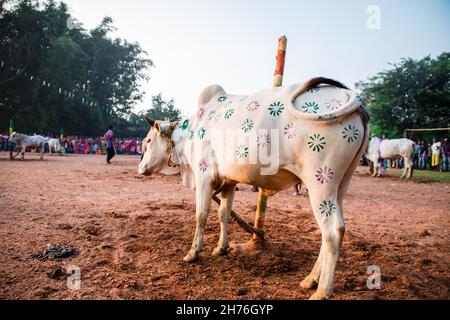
(391,149)
(312,133)
(23,141)
(54,144)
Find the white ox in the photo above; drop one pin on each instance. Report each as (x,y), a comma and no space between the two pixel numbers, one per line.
(54,144)
(23,141)
(310,133)
(391,149)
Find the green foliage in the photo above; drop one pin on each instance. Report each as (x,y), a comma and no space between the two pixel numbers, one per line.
(162,109)
(35,39)
(414,94)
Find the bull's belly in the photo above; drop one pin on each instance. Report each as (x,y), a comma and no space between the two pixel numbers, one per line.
(251,175)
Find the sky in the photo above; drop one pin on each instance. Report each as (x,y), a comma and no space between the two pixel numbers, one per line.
(196,43)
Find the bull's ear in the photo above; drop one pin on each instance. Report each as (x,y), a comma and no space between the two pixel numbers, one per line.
(150,121)
(157,127)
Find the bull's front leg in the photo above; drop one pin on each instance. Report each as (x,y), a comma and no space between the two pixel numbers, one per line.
(224,217)
(203,195)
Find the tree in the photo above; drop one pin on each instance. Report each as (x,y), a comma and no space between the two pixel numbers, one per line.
(414,94)
(53,76)
(162,109)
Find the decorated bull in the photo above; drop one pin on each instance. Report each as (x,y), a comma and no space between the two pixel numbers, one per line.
(54,145)
(392,149)
(23,141)
(313,133)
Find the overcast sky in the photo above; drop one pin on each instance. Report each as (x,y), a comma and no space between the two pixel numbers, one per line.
(233,43)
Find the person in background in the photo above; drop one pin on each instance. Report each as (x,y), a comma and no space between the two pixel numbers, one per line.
(416,154)
(435,154)
(109,138)
(422,155)
(445,153)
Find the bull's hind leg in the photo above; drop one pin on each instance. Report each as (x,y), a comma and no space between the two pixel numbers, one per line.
(224,216)
(328,213)
(203,194)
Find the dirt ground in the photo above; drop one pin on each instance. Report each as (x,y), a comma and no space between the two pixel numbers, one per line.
(131,233)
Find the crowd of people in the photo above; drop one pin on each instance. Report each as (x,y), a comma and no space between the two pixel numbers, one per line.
(433,155)
(90,145)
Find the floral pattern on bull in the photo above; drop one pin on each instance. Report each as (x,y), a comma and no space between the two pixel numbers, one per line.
(327,208)
(263,140)
(222,99)
(324,175)
(214,115)
(350,133)
(191,134)
(314,90)
(203,166)
(229,113)
(316,142)
(201,112)
(247,125)
(276,109)
(242,151)
(333,104)
(201,133)
(253,105)
(290,130)
(185,124)
(310,107)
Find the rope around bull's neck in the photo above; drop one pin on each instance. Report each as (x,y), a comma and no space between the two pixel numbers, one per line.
(171,145)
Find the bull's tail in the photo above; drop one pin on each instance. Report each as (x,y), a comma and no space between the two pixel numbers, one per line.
(412,159)
(315,82)
(351,101)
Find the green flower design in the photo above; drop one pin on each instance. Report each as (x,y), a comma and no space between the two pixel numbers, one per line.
(191,134)
(314,90)
(222,99)
(310,107)
(327,208)
(350,133)
(248,125)
(201,133)
(316,142)
(242,151)
(228,114)
(185,125)
(276,109)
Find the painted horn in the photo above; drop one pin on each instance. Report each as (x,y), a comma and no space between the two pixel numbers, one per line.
(150,121)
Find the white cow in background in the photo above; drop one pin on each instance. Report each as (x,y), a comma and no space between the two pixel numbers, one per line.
(391,149)
(315,133)
(54,144)
(23,141)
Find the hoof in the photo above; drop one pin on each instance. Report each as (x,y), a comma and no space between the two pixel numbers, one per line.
(320,295)
(219,251)
(191,257)
(308,283)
